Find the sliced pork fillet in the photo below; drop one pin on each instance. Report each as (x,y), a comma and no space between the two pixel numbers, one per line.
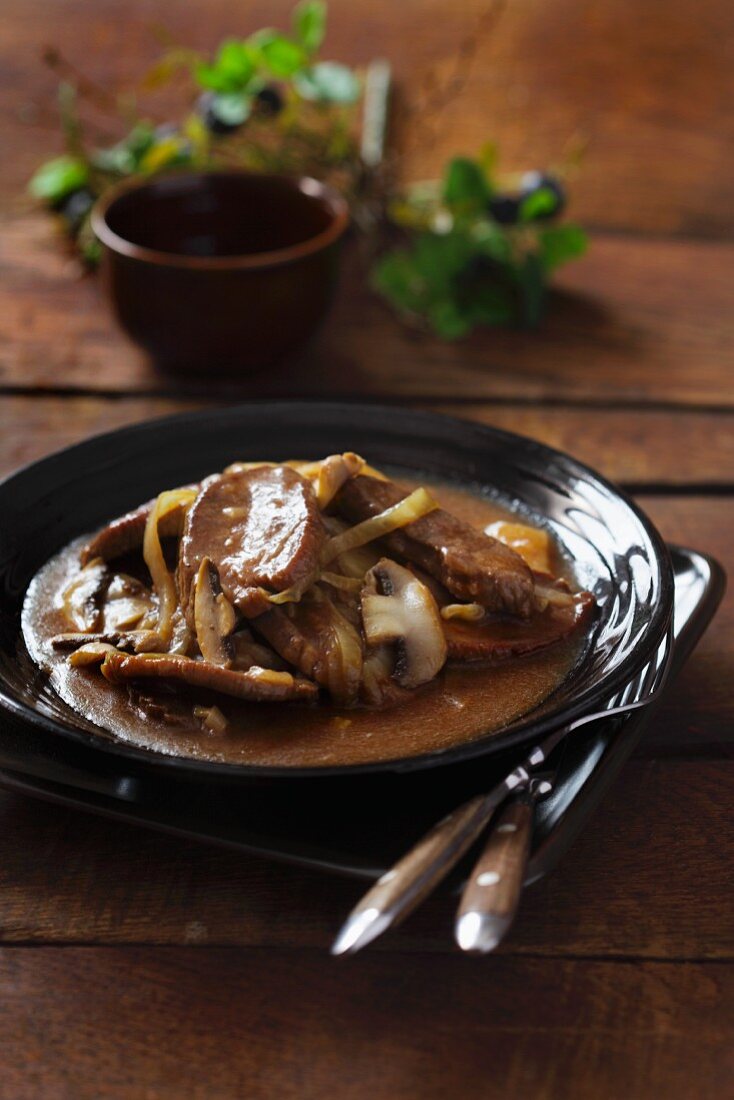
(262,530)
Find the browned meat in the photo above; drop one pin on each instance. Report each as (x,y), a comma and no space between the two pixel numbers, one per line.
(319,641)
(497,638)
(132,641)
(125,534)
(472,565)
(256,684)
(260,527)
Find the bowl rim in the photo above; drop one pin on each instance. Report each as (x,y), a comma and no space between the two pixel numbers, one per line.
(311,188)
(527,729)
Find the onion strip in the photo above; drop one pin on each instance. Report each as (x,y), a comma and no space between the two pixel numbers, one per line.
(469,612)
(163,581)
(345,584)
(411,508)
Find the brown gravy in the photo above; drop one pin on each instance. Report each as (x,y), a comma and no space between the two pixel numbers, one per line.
(463,703)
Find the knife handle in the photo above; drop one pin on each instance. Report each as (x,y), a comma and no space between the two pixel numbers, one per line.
(492,891)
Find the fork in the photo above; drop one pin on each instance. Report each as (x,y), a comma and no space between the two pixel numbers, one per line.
(401,889)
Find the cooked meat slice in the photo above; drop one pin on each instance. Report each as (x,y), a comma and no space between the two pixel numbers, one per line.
(319,641)
(125,534)
(398,609)
(472,565)
(256,684)
(248,652)
(499,637)
(260,527)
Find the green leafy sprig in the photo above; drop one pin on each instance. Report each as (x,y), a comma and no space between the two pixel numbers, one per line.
(476,255)
(266,102)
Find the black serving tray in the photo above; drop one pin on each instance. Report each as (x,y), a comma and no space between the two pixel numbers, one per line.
(362,831)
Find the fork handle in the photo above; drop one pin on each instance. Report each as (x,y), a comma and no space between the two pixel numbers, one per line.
(492,892)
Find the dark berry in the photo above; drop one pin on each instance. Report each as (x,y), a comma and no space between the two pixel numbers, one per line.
(75,207)
(504,209)
(269,100)
(214,124)
(539,181)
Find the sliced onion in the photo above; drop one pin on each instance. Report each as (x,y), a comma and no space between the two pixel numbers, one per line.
(94,653)
(211,719)
(418,504)
(163,582)
(469,612)
(344,584)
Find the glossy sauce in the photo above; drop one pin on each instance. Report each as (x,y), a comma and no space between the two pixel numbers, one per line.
(464,702)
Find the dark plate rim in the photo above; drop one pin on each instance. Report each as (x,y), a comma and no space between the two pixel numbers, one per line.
(524,731)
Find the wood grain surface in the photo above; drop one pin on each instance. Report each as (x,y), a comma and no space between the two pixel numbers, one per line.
(137,965)
(626,316)
(647,87)
(222,1023)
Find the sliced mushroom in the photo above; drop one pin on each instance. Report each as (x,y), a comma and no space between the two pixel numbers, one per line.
(130,641)
(398,609)
(214,617)
(83,598)
(128,603)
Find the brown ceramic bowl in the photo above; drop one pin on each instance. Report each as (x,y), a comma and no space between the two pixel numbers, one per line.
(220,271)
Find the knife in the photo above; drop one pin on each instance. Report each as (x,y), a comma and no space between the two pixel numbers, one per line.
(492,892)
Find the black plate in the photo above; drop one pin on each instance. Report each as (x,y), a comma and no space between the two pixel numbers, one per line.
(362,833)
(617,551)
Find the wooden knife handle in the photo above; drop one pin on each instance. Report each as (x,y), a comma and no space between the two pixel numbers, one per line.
(492,892)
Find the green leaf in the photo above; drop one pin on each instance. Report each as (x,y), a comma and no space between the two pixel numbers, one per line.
(232,69)
(235,61)
(168,153)
(57,178)
(328,82)
(439,258)
(395,276)
(309,24)
(491,240)
(465,187)
(213,79)
(531,282)
(492,304)
(139,140)
(117,159)
(559,243)
(538,204)
(448,320)
(281,55)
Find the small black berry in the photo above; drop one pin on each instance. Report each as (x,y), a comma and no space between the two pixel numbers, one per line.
(212,121)
(504,209)
(75,207)
(269,100)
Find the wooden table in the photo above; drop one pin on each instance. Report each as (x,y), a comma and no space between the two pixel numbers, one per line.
(137,965)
